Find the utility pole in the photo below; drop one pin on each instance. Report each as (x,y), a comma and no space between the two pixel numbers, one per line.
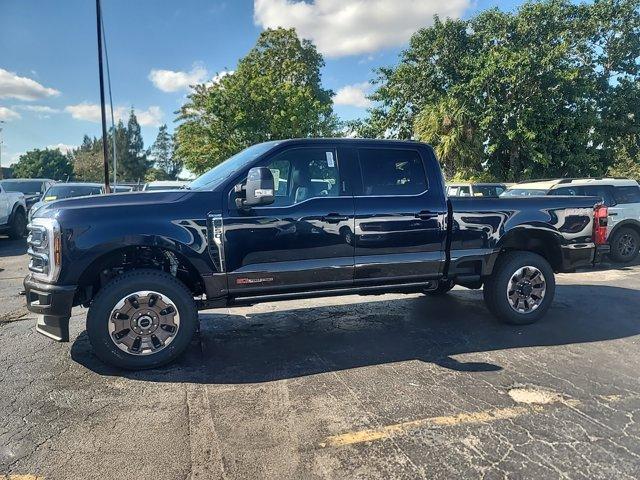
(1,174)
(105,147)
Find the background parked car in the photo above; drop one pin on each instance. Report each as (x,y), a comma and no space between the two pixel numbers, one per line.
(121,188)
(13,213)
(32,188)
(58,191)
(622,196)
(475,189)
(164,185)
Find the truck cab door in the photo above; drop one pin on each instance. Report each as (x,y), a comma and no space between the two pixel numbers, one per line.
(304,240)
(400,216)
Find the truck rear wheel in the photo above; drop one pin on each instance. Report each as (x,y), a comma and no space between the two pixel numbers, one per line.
(142,319)
(625,244)
(521,288)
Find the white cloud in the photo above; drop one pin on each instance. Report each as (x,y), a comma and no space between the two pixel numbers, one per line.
(63,147)
(38,108)
(151,117)
(349,27)
(353,95)
(90,112)
(85,111)
(8,114)
(172,81)
(23,88)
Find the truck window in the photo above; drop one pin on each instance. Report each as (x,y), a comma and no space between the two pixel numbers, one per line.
(568,191)
(304,173)
(391,172)
(629,194)
(601,191)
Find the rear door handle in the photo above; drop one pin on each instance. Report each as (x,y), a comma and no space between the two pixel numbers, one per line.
(426,215)
(334,218)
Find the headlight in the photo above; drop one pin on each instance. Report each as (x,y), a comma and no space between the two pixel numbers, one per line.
(45,249)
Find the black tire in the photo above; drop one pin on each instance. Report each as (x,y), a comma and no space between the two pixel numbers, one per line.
(495,287)
(625,244)
(442,288)
(18,225)
(120,288)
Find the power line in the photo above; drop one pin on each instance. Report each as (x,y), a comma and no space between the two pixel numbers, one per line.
(113,124)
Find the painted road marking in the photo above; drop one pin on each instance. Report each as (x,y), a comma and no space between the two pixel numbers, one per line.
(486,416)
(21,477)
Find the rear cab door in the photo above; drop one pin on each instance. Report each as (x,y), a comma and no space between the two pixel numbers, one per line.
(400,214)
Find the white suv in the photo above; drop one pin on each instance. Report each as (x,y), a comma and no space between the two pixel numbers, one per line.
(622,196)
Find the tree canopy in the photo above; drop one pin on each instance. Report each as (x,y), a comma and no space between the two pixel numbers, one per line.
(550,90)
(167,164)
(274,93)
(44,163)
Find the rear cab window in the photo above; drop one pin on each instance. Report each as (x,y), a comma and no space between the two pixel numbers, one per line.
(630,194)
(391,172)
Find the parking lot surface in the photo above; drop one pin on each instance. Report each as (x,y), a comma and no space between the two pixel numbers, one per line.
(348,387)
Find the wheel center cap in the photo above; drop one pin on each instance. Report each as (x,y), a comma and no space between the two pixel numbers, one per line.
(526,289)
(145,322)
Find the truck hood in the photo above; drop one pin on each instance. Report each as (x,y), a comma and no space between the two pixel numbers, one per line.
(52,209)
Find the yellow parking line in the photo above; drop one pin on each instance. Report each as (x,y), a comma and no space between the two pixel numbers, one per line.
(21,477)
(486,416)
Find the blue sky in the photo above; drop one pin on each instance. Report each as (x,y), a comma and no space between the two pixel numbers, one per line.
(48,70)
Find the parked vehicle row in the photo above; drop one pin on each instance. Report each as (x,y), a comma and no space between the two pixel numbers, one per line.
(621,196)
(294,219)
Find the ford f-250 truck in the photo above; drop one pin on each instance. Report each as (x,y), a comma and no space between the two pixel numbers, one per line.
(293,219)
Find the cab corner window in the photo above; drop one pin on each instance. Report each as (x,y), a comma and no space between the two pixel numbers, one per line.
(304,173)
(391,172)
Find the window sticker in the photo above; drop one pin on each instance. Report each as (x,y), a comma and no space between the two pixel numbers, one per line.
(330,162)
(276,177)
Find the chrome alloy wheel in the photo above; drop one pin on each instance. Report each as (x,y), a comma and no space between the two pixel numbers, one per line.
(144,323)
(526,289)
(626,245)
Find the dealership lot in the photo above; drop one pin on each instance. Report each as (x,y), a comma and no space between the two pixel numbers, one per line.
(369,387)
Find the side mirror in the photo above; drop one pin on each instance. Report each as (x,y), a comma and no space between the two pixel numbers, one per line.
(259,188)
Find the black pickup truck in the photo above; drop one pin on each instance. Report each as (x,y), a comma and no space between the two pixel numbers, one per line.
(293,219)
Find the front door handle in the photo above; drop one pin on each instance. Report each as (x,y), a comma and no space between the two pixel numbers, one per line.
(426,215)
(334,218)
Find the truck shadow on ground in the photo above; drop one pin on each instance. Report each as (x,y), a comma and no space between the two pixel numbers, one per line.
(267,346)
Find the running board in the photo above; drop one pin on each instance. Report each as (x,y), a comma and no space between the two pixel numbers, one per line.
(415,287)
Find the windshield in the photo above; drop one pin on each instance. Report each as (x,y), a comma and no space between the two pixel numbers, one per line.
(212,179)
(524,192)
(57,192)
(28,187)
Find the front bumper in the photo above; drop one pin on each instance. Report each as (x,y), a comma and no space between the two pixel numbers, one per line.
(52,304)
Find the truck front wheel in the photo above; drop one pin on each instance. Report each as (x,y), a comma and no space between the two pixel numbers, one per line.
(141,319)
(521,288)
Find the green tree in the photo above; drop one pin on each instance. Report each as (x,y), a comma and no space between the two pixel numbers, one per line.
(45,163)
(547,90)
(274,93)
(133,164)
(167,164)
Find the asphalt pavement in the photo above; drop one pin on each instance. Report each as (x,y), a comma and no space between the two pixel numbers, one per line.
(390,386)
